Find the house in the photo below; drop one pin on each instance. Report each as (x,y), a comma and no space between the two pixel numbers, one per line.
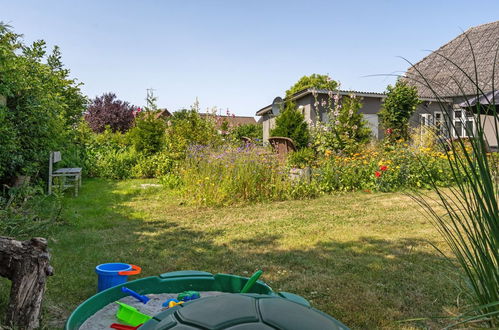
(440,74)
(229,121)
(443,75)
(311,103)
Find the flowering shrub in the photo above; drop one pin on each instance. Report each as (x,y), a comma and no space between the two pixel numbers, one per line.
(345,130)
(236,175)
(390,170)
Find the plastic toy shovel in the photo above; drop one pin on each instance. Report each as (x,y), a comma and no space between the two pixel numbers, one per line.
(252,280)
(124,327)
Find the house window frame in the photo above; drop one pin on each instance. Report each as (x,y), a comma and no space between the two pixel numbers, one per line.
(463,120)
(438,123)
(426,119)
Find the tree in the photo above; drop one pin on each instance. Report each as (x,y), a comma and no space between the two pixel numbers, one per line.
(107,110)
(318,81)
(291,124)
(253,131)
(42,105)
(401,102)
(186,128)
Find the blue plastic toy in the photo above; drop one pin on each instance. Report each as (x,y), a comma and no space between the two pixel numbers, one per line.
(171,302)
(113,274)
(188,295)
(134,294)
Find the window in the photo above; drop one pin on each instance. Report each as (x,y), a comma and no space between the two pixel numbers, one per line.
(439,123)
(426,119)
(464,123)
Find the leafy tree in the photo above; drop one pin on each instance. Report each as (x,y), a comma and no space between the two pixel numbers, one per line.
(253,131)
(319,81)
(401,102)
(107,111)
(187,128)
(43,105)
(291,123)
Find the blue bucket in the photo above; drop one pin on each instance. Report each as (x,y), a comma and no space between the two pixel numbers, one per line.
(109,275)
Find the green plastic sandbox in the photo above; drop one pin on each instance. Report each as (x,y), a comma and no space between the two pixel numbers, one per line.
(172,282)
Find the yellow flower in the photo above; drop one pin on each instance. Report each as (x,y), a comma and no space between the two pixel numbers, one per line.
(328,152)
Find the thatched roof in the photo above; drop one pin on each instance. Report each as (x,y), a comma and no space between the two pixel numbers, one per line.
(477,46)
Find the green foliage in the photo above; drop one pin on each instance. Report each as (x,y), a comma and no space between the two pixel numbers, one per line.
(401,102)
(253,131)
(236,175)
(345,131)
(290,123)
(187,128)
(319,81)
(302,158)
(43,104)
(148,134)
(26,212)
(377,169)
(153,166)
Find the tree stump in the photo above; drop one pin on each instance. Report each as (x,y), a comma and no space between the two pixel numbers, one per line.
(26,264)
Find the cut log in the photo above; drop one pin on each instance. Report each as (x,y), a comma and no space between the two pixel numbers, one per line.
(26,264)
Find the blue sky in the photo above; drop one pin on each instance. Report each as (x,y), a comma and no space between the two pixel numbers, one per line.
(238,54)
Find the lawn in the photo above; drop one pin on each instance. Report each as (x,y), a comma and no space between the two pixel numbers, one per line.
(365,259)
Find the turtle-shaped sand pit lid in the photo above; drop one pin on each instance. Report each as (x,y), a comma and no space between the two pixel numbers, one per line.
(243,312)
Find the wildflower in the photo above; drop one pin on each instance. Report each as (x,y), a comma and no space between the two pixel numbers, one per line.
(328,152)
(337,122)
(383,168)
(389,131)
(377,174)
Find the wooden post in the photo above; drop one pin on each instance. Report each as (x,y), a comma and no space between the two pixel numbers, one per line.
(26,264)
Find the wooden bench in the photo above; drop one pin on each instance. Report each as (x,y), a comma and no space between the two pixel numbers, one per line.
(73,173)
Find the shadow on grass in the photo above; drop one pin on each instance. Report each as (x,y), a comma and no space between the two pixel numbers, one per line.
(366,283)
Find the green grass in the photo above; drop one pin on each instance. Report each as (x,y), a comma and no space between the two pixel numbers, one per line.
(363,258)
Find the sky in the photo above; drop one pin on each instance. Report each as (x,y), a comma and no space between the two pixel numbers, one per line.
(238,55)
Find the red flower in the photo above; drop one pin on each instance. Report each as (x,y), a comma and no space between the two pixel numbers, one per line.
(377,174)
(389,131)
(383,168)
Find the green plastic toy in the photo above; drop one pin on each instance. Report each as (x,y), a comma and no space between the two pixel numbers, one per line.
(252,280)
(130,315)
(188,295)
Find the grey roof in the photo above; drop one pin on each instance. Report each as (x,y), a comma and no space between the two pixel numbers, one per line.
(308,91)
(478,45)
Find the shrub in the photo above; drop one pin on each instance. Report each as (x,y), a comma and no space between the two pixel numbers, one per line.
(153,166)
(396,169)
(290,123)
(116,164)
(399,105)
(147,136)
(302,158)
(107,111)
(187,128)
(253,131)
(345,131)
